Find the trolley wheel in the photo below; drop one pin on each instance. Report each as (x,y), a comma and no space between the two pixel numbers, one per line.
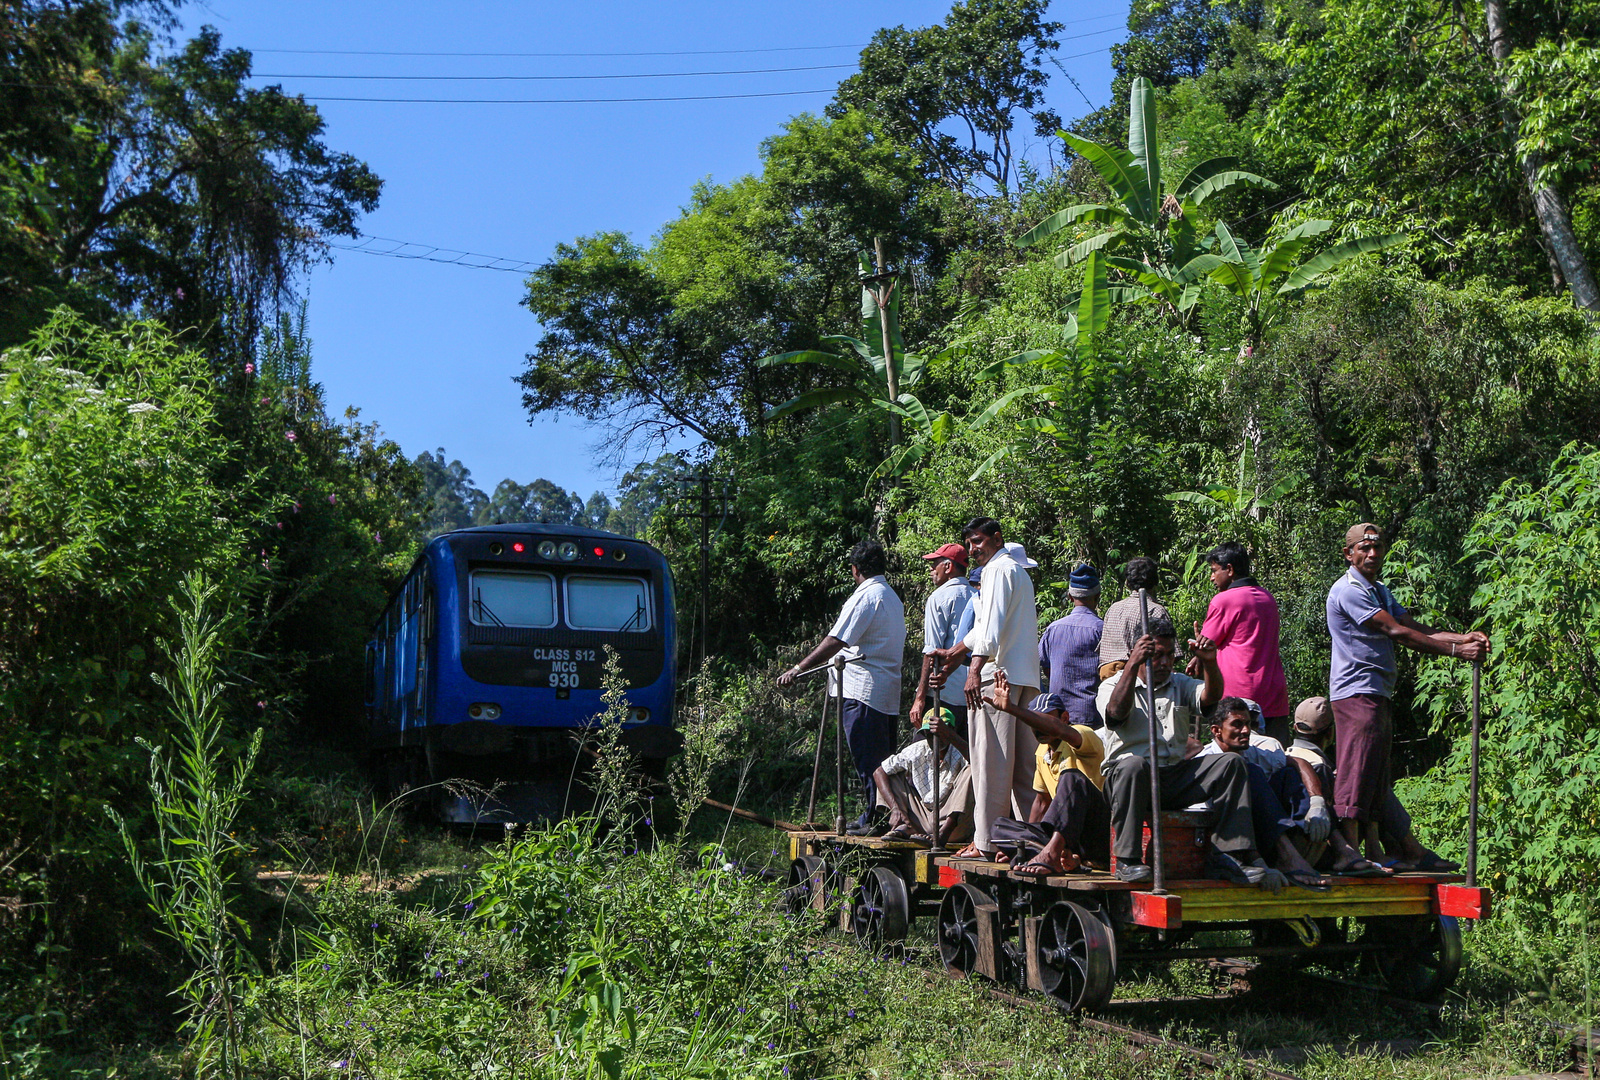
(1421,956)
(1077,956)
(880,910)
(958,927)
(808,878)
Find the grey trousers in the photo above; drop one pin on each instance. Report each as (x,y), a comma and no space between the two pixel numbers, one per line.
(1219,779)
(1002,764)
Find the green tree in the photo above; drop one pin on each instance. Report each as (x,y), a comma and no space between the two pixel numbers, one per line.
(974,72)
(163,184)
(450,500)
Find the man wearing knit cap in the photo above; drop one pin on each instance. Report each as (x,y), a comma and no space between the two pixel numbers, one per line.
(1365,621)
(1069,648)
(941,615)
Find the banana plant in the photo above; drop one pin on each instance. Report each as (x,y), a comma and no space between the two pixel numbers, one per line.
(1262,279)
(1239,500)
(885,383)
(1153,234)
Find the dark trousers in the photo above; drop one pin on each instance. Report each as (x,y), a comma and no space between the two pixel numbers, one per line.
(1278,803)
(1080,813)
(1363,733)
(1278,727)
(1220,779)
(870,736)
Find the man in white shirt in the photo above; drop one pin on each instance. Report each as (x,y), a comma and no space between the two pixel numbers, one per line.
(1004,637)
(941,615)
(870,633)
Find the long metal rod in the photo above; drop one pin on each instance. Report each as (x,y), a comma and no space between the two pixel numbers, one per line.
(1159,885)
(938,756)
(1472,783)
(816,760)
(838,748)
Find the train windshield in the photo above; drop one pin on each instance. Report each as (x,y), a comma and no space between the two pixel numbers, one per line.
(512,599)
(607,603)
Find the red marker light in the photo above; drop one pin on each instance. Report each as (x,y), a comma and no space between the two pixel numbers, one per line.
(518,547)
(599,552)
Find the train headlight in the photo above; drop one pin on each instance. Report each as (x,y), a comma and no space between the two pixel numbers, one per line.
(483,710)
(547,550)
(638,714)
(569,551)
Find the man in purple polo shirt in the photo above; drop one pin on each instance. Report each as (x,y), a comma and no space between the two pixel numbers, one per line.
(1069,649)
(1365,621)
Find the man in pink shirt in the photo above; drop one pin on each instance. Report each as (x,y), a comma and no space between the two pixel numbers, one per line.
(1243,621)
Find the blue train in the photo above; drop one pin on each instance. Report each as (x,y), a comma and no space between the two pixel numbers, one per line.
(489,656)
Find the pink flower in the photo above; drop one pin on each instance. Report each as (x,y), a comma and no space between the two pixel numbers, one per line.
(178,293)
(297,508)
(265,400)
(261,704)
(249,369)
(280,524)
(333,500)
(378,537)
(291,436)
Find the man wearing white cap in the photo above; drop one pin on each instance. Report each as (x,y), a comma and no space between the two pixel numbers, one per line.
(1004,637)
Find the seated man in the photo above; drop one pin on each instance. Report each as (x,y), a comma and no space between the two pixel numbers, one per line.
(1221,780)
(1278,798)
(1070,820)
(905,785)
(1313,731)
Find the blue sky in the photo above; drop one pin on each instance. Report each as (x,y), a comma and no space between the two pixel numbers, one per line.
(429,350)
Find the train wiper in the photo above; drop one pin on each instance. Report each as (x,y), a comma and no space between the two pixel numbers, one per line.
(481,611)
(636,621)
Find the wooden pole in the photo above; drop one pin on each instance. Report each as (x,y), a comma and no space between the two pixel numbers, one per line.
(816,760)
(1159,885)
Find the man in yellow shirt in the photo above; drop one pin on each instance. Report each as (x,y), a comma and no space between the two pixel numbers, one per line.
(1070,818)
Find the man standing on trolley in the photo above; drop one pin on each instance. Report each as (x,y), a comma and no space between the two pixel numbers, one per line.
(870,633)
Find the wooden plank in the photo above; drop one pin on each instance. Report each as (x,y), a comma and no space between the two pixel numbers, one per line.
(990,963)
(1462,902)
(924,869)
(846,925)
(948,875)
(1164,911)
(1030,950)
(1225,902)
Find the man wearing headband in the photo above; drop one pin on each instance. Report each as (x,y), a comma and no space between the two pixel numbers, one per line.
(1365,621)
(905,785)
(1122,625)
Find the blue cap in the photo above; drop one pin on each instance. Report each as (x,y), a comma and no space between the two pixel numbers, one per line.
(1049,703)
(1084,578)
(975,575)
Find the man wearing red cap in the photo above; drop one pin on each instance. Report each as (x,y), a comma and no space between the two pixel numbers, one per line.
(941,616)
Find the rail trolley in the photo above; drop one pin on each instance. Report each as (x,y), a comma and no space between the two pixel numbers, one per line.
(490,655)
(1066,935)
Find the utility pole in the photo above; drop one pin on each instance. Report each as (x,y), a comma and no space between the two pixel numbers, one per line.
(703,501)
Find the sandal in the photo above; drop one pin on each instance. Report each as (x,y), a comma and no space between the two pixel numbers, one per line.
(971,851)
(1308,879)
(1035,869)
(1437,864)
(1362,868)
(899,832)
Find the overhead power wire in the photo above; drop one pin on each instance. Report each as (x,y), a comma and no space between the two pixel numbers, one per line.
(406,249)
(557,78)
(592,55)
(571,101)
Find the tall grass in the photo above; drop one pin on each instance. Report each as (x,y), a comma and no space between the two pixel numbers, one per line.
(196,792)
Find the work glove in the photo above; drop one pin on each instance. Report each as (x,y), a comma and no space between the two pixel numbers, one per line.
(1319,823)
